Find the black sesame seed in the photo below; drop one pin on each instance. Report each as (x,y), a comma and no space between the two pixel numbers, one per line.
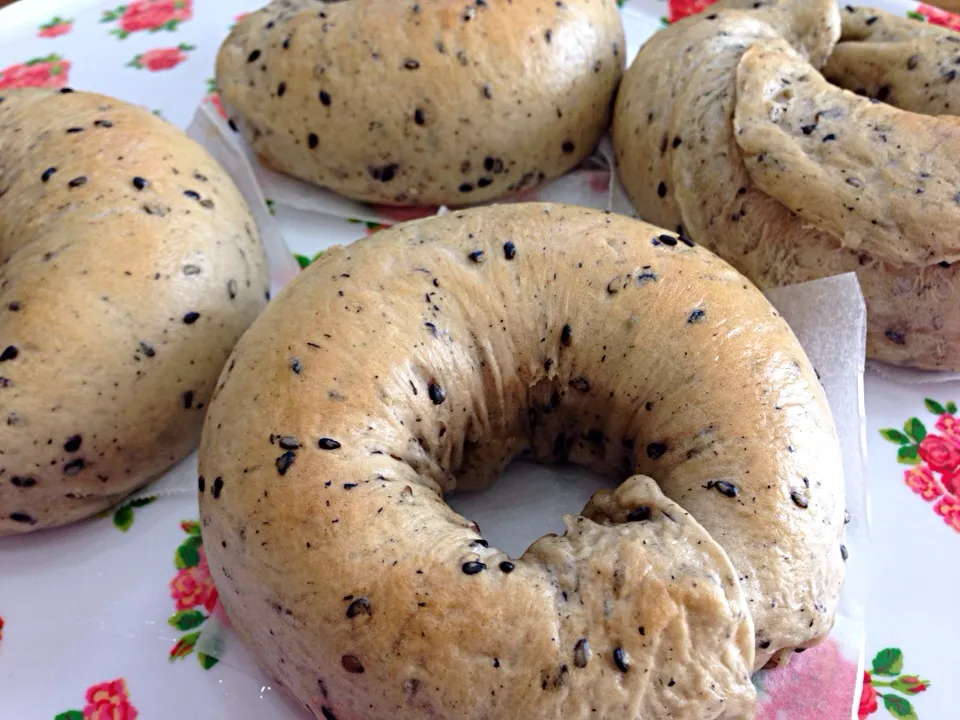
(327,713)
(476,256)
(147,349)
(74,466)
(74,130)
(14,306)
(9,353)
(77,181)
(22,518)
(620,659)
(384,173)
(47,174)
(351,664)
(360,606)
(64,91)
(328,444)
(912,62)
(808,129)
(73,443)
(437,394)
(799,500)
(217,487)
(697,316)
(411,64)
(507,566)
(897,337)
(201,483)
(763,644)
(285,461)
(473,567)
(312,140)
(677,142)
(846,517)
(253,56)
(281,89)
(465,188)
(418,117)
(667,240)
(872,19)
(484,182)
(656,450)
(139,183)
(22,482)
(296,365)
(581,653)
(566,335)
(288,442)
(568,147)
(103,123)
(829,137)
(191,317)
(192,194)
(844,553)
(640,514)
(724,487)
(662,189)
(509,250)
(580,384)
(232,288)
(685,240)
(325,98)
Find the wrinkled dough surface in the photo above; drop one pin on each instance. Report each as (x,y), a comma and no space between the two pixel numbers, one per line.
(131,266)
(421,360)
(769,215)
(911,65)
(426,103)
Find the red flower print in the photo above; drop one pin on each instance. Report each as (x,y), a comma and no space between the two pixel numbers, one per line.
(948,507)
(939,454)
(55,28)
(193,586)
(868,698)
(161,58)
(151,15)
(680,9)
(951,482)
(911,684)
(1,628)
(950,427)
(785,692)
(109,701)
(922,482)
(936,16)
(49,72)
(397,214)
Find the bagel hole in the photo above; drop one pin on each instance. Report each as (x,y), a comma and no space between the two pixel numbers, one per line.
(528,501)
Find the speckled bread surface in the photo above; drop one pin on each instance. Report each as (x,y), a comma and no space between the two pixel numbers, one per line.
(421,360)
(432,102)
(723,127)
(911,65)
(131,266)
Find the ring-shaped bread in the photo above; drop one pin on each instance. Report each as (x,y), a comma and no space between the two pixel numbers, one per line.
(421,360)
(723,127)
(424,102)
(131,266)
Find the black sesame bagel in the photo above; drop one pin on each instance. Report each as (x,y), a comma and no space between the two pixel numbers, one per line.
(131,266)
(725,128)
(421,360)
(424,103)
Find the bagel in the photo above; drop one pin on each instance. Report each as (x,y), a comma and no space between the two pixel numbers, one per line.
(749,150)
(131,266)
(905,63)
(421,360)
(424,103)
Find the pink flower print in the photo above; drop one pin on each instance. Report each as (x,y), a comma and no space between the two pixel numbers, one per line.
(921,480)
(109,701)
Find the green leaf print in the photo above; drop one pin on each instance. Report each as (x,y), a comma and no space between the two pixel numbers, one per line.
(123,517)
(184,646)
(907,455)
(303,261)
(888,661)
(188,554)
(952,407)
(899,707)
(206,661)
(69,715)
(187,619)
(914,15)
(933,406)
(915,429)
(895,436)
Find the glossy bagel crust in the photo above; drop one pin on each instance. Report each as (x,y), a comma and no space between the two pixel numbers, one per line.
(421,360)
(724,127)
(131,266)
(432,102)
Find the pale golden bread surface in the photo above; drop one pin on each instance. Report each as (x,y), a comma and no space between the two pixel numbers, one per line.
(421,360)
(898,60)
(131,266)
(424,103)
(793,183)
